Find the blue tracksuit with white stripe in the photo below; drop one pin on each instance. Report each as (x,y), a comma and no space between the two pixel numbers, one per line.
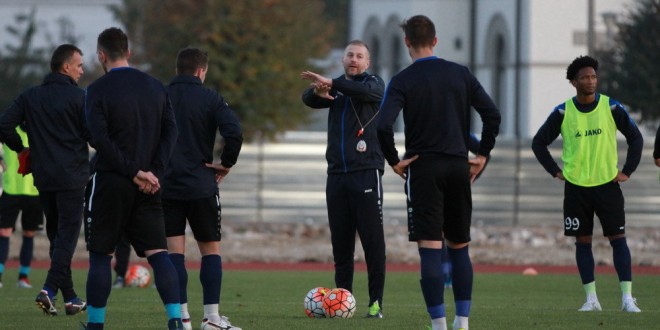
(354,192)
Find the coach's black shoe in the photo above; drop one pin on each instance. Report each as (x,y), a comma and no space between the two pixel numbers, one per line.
(375,312)
(75,306)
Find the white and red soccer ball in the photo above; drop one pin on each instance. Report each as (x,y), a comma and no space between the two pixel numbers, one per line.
(137,276)
(314,302)
(339,303)
(323,302)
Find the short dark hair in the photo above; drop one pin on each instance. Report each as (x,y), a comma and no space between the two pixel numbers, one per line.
(419,30)
(357,42)
(579,63)
(114,43)
(61,55)
(189,59)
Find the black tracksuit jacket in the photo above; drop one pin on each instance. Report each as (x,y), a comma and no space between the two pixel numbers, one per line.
(200,112)
(361,95)
(55,124)
(130,134)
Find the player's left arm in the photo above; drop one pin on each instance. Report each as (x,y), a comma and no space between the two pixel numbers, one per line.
(389,110)
(230,129)
(633,136)
(369,90)
(490,115)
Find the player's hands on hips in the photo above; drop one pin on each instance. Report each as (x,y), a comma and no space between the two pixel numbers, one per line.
(620,177)
(477,165)
(147,182)
(220,171)
(402,165)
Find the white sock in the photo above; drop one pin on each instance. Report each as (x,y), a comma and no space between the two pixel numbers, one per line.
(591,296)
(439,323)
(461,322)
(626,296)
(211,313)
(184,311)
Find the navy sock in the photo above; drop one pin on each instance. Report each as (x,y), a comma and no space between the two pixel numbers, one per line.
(99,279)
(585,262)
(27,249)
(446,263)
(4,249)
(165,277)
(432,281)
(210,275)
(622,259)
(179,262)
(463,277)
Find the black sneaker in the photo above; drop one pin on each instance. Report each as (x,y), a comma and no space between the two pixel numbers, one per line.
(119,283)
(174,324)
(43,302)
(75,306)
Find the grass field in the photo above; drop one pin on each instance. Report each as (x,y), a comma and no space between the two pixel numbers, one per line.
(273,300)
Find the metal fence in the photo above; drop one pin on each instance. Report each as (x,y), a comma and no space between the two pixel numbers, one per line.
(284,182)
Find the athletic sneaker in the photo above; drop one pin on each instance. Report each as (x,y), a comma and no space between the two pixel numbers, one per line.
(630,305)
(174,324)
(44,302)
(590,306)
(222,325)
(186,324)
(75,306)
(119,283)
(24,283)
(0,285)
(375,311)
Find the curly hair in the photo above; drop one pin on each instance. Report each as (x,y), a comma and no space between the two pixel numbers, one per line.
(579,63)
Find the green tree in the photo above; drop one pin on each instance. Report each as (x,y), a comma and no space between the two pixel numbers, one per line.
(21,64)
(257,49)
(630,72)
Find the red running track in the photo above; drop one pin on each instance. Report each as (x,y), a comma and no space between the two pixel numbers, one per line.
(312,266)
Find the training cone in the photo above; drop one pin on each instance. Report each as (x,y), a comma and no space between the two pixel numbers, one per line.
(530,271)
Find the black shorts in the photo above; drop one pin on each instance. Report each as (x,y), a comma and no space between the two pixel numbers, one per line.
(203,215)
(32,217)
(114,206)
(439,199)
(580,204)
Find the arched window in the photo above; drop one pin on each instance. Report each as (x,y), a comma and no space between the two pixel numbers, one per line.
(497,59)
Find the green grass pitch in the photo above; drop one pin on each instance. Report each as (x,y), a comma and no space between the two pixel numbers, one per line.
(274,300)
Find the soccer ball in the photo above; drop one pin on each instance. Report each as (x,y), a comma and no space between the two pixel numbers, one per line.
(137,276)
(314,302)
(339,303)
